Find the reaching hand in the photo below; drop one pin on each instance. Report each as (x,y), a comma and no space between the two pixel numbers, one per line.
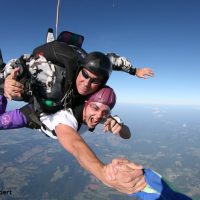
(12,88)
(112,125)
(144,73)
(125,176)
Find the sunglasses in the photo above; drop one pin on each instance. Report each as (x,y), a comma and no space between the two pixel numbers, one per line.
(92,80)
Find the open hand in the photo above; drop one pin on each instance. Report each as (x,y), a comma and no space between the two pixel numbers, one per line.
(144,73)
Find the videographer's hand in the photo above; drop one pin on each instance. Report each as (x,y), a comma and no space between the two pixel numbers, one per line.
(12,88)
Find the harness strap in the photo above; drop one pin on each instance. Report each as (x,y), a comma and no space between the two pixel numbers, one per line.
(33,120)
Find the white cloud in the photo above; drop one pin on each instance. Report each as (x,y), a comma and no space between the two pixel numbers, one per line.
(184,125)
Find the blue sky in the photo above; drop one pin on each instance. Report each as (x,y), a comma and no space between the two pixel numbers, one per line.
(161,34)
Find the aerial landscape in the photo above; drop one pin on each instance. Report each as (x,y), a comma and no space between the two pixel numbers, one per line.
(164,138)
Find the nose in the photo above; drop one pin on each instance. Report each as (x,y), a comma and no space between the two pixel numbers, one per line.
(99,115)
(87,82)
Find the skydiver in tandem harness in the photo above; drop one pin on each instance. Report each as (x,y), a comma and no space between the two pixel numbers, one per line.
(94,71)
(103,101)
(152,192)
(57,63)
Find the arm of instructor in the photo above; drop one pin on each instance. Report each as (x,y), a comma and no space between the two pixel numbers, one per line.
(74,144)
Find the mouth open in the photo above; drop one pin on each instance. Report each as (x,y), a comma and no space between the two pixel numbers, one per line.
(93,121)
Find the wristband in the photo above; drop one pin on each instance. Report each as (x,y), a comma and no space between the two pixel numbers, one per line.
(118,119)
(132,71)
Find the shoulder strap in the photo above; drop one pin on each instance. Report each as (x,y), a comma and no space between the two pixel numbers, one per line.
(33,120)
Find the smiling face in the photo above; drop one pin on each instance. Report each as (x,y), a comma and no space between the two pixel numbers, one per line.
(87,82)
(94,113)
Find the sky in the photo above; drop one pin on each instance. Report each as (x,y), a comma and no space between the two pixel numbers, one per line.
(161,34)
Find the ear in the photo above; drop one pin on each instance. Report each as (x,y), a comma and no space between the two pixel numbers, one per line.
(84,111)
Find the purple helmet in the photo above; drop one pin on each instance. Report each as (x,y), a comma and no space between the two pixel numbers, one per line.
(105,95)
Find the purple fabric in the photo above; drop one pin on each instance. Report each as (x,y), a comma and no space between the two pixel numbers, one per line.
(11,119)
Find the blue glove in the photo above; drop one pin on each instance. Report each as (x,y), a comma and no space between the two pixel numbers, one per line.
(157,189)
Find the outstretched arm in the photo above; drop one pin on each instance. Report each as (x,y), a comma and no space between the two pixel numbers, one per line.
(75,145)
(120,63)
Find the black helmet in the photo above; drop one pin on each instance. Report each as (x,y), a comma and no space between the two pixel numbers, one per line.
(98,63)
